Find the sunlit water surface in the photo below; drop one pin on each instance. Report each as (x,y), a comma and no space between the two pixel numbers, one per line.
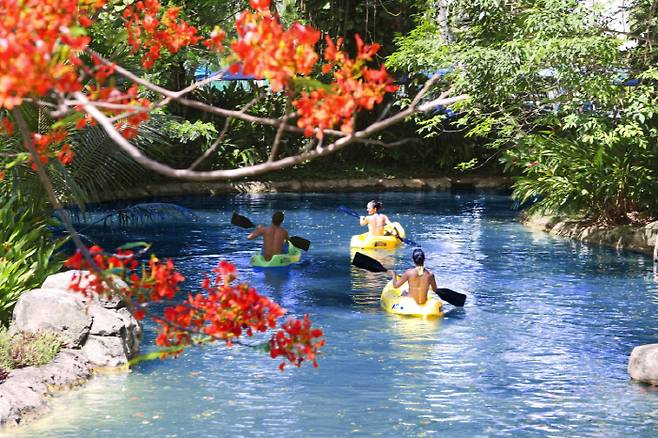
(540,349)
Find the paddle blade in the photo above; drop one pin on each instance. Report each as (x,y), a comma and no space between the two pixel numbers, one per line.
(452,297)
(242,221)
(348,211)
(408,241)
(300,242)
(368,263)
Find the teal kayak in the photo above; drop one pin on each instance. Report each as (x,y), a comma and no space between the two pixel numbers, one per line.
(278,260)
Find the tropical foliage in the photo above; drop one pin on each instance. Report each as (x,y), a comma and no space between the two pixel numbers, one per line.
(556,93)
(27,253)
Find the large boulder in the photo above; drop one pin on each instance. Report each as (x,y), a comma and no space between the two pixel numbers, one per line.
(53,309)
(63,280)
(643,364)
(103,328)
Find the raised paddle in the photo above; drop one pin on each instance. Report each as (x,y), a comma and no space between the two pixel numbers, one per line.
(355,214)
(244,222)
(369,264)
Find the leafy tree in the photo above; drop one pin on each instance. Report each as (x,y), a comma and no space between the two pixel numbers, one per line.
(548,85)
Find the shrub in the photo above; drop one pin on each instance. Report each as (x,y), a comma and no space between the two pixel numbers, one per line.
(28,349)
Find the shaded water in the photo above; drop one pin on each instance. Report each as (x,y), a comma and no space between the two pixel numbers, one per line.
(540,349)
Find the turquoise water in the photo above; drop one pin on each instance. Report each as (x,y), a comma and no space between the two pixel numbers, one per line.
(540,349)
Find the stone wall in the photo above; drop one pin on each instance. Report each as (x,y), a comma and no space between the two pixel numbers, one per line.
(333,185)
(638,239)
(101,334)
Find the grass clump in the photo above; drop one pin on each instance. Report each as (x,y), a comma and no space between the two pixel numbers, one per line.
(28,349)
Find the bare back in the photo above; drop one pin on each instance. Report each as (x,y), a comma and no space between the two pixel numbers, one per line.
(273,239)
(418,284)
(376,223)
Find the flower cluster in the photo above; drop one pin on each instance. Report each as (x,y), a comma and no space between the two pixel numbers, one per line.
(150,28)
(51,144)
(40,41)
(355,87)
(266,50)
(297,340)
(223,311)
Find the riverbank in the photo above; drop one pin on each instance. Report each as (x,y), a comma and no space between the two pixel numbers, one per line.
(100,335)
(374,184)
(640,239)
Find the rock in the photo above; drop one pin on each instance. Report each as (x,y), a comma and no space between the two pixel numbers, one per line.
(68,369)
(638,239)
(643,364)
(106,351)
(133,334)
(63,280)
(25,390)
(438,183)
(53,309)
(105,322)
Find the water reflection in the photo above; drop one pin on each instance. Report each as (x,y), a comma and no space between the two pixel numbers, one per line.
(367,286)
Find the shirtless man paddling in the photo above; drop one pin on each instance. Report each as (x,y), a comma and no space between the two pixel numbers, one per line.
(274,236)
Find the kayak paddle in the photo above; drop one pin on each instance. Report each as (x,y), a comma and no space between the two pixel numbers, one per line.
(355,214)
(362,261)
(245,222)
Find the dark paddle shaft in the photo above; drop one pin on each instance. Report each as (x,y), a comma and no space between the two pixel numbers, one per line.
(355,214)
(368,263)
(244,222)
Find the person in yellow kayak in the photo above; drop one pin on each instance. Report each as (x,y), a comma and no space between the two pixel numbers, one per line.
(275,237)
(375,220)
(419,278)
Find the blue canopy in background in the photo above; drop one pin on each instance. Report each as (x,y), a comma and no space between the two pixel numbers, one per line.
(222,81)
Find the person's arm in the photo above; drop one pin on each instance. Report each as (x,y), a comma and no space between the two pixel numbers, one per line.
(386,220)
(256,233)
(399,280)
(363,221)
(433,282)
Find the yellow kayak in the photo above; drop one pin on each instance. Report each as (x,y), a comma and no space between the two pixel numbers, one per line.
(393,301)
(366,241)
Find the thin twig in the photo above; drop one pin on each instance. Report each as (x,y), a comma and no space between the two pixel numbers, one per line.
(219,139)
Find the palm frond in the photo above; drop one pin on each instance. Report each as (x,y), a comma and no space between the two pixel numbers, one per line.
(138,214)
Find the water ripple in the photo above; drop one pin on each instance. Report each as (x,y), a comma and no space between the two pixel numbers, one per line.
(540,349)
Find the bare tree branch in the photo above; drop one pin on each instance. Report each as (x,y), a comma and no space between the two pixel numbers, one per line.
(393,144)
(219,139)
(277,140)
(260,168)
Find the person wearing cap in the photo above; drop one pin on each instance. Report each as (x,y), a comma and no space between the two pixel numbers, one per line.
(375,220)
(275,237)
(419,278)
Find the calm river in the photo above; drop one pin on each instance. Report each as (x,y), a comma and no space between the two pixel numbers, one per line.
(540,349)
